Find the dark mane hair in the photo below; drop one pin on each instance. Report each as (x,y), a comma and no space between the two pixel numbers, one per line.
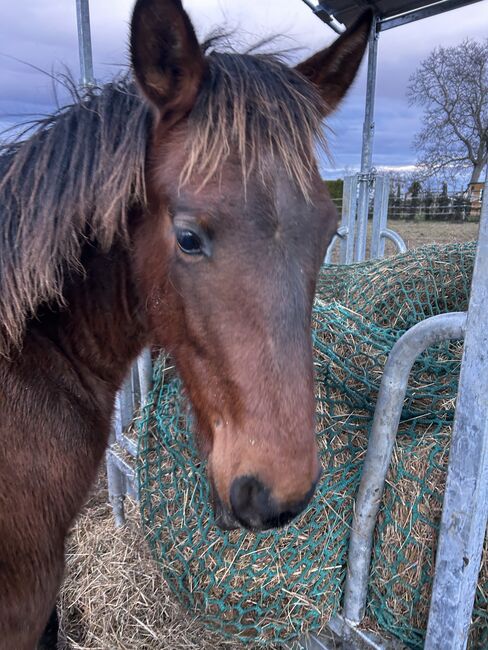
(76,177)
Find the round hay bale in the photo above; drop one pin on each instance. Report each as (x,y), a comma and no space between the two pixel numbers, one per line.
(399,291)
(273,587)
(269,587)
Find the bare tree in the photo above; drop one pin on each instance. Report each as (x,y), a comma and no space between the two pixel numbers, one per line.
(452,86)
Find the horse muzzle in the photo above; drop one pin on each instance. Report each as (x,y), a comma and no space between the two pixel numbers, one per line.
(253,507)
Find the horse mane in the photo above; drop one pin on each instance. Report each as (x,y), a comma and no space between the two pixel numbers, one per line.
(76,177)
(73,180)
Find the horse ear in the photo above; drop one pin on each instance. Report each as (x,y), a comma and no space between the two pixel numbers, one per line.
(166,58)
(333,70)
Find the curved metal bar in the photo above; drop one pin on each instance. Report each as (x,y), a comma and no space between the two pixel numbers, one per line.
(394,237)
(383,434)
(342,232)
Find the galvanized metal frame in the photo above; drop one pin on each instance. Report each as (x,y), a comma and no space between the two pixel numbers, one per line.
(380,447)
(347,232)
(390,14)
(365,177)
(326,15)
(465,509)
(381,232)
(426,12)
(121,476)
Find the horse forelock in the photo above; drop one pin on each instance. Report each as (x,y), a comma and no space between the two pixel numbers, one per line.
(253,105)
(74,179)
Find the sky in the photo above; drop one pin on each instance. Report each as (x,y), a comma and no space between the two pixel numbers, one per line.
(39,37)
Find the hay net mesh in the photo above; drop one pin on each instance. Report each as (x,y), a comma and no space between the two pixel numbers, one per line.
(270,588)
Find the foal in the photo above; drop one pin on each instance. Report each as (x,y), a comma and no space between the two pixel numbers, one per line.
(198,224)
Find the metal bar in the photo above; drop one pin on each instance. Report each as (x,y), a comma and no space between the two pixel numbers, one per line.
(380,215)
(127,472)
(127,444)
(325,15)
(465,510)
(368,126)
(341,634)
(145,371)
(125,398)
(119,473)
(367,147)
(362,219)
(310,642)
(383,434)
(425,12)
(116,487)
(394,237)
(349,211)
(84,42)
(355,639)
(338,237)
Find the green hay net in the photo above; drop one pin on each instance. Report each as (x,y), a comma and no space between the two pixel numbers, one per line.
(272,587)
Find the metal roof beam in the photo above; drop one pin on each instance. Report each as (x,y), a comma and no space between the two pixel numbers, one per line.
(326,15)
(424,12)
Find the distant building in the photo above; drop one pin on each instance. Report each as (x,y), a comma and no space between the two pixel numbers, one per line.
(475,197)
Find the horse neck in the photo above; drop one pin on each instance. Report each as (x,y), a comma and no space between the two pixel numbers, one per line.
(99,328)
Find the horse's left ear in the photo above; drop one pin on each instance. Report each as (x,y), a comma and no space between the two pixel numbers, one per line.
(166,57)
(333,70)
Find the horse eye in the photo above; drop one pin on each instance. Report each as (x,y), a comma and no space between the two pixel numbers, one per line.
(189,242)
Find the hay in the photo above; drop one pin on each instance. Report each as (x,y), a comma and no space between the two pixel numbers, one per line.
(397,292)
(113,596)
(268,587)
(274,587)
(406,542)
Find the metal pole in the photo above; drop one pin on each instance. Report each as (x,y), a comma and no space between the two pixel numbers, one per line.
(380,215)
(116,488)
(380,220)
(367,147)
(84,42)
(145,371)
(380,447)
(465,509)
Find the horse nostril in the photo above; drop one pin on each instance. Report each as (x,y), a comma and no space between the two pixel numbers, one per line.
(250,501)
(254,507)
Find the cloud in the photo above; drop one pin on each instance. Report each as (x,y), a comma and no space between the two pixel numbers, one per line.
(44,34)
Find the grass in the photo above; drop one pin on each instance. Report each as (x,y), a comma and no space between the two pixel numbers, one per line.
(418,233)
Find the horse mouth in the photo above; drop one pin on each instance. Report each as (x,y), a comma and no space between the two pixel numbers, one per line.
(223,517)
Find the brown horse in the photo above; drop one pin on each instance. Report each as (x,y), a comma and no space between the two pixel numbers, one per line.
(196,221)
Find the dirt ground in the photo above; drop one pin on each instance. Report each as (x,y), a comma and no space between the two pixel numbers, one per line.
(113,596)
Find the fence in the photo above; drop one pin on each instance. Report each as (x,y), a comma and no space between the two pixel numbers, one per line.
(428,206)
